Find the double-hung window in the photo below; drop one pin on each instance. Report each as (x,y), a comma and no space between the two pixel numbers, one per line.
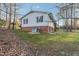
(39,19)
(25,21)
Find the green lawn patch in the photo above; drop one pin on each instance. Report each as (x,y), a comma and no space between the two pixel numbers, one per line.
(46,39)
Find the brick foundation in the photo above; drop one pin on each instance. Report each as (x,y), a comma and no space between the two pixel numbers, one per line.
(39,29)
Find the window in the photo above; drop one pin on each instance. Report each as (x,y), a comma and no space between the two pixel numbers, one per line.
(39,19)
(25,21)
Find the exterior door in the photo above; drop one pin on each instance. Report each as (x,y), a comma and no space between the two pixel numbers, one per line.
(34,29)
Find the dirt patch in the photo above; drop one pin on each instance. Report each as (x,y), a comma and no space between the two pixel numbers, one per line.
(11,45)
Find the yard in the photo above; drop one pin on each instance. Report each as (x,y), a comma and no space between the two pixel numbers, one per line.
(47,39)
(59,43)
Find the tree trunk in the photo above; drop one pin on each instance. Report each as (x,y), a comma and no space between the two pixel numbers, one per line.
(6,16)
(14,16)
(71,20)
(0,11)
(66,22)
(55,26)
(9,15)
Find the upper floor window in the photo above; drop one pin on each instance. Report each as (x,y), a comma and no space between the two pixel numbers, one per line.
(39,19)
(25,21)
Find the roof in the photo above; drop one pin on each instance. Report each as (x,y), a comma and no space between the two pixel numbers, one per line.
(49,14)
(35,12)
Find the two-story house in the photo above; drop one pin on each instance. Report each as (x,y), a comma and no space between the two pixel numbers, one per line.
(38,21)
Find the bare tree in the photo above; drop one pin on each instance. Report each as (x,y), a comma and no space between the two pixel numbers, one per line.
(66,19)
(71,19)
(10,14)
(0,10)
(14,16)
(16,13)
(64,12)
(6,16)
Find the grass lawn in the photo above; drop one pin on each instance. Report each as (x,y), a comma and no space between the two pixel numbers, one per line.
(45,38)
(60,43)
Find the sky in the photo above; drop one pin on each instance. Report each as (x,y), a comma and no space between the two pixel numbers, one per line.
(48,7)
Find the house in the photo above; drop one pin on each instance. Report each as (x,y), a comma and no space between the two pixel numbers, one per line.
(38,21)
